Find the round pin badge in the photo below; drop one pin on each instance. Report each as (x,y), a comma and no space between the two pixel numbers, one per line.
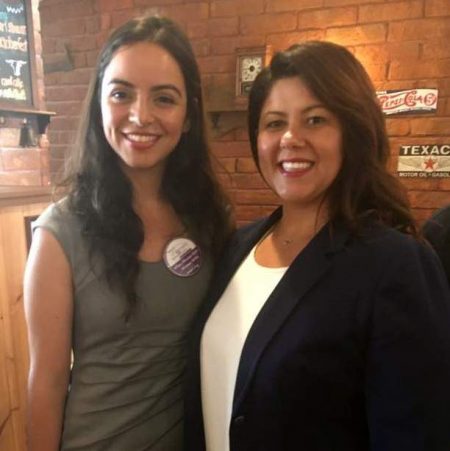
(182,257)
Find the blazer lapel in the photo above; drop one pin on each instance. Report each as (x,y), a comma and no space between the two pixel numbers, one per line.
(304,272)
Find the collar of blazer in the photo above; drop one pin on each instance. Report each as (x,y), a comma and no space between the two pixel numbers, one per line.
(316,257)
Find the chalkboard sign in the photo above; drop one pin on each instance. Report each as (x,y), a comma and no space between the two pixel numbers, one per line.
(15,51)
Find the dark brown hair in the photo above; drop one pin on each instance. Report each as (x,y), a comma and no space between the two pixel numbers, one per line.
(100,194)
(364,187)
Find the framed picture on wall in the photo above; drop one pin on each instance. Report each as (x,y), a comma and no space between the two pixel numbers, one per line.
(17,62)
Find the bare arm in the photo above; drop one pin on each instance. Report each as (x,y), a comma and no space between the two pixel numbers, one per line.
(48,310)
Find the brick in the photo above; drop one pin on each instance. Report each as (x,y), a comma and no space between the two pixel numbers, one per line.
(248,181)
(91,58)
(186,12)
(246,165)
(256,197)
(118,18)
(437,49)
(442,84)
(419,29)
(241,134)
(20,159)
(388,12)
(446,108)
(292,5)
(225,137)
(225,180)
(219,90)
(385,52)
(157,2)
(227,45)
(364,34)
(429,126)
(82,43)
(197,29)
(377,72)
(105,22)
(281,41)
(64,123)
(223,27)
(213,27)
(437,8)
(427,199)
(217,64)
(349,2)
(92,24)
(79,60)
(422,214)
(72,9)
(62,137)
(65,108)
(225,165)
(64,93)
(326,18)
(234,8)
(397,127)
(66,27)
(444,185)
(113,5)
(268,23)
(419,183)
(231,149)
(52,45)
(248,212)
(59,152)
(419,69)
(201,47)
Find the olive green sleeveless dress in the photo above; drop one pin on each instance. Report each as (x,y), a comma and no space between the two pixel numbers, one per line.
(126,390)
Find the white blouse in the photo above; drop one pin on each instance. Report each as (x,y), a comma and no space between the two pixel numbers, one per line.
(222,341)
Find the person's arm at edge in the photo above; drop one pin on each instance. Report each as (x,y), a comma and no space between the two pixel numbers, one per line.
(48,310)
(409,357)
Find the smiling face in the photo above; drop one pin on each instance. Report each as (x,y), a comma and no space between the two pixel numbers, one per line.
(299,144)
(143,104)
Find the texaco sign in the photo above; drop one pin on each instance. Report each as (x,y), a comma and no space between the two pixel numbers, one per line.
(426,160)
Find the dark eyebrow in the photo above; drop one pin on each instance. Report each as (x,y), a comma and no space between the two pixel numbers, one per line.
(305,110)
(119,81)
(168,86)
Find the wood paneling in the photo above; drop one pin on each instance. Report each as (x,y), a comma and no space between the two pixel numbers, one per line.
(13,336)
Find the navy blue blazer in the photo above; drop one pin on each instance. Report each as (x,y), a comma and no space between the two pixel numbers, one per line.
(349,353)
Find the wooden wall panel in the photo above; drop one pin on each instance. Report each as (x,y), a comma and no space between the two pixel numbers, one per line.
(13,336)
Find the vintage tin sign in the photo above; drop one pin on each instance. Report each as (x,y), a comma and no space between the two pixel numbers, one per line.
(425,160)
(408,101)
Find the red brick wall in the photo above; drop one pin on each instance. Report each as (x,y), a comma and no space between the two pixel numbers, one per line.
(403,44)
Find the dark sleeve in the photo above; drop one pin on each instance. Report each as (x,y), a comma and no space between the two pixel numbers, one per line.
(408,363)
(437,232)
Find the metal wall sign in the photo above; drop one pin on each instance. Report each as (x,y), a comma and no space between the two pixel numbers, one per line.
(408,101)
(425,160)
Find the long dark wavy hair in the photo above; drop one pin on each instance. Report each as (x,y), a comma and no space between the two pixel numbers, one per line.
(363,187)
(101,195)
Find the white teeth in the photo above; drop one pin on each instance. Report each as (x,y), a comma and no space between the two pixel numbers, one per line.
(295,165)
(141,138)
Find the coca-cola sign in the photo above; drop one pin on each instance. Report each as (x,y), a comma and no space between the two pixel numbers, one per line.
(408,101)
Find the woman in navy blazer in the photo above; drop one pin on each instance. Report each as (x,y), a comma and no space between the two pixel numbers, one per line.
(328,325)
